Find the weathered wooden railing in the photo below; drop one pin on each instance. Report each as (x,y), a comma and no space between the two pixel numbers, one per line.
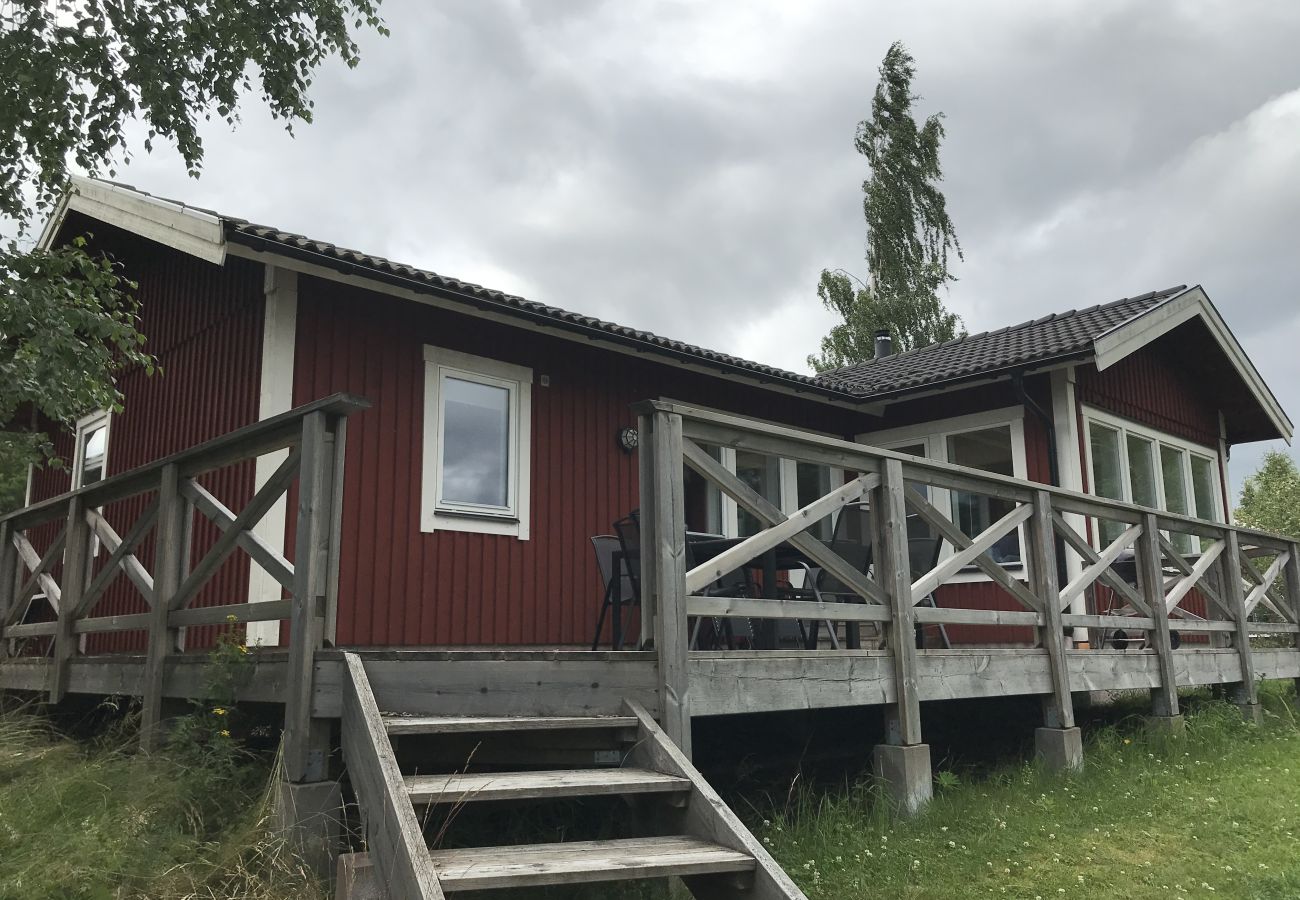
(894,486)
(310,440)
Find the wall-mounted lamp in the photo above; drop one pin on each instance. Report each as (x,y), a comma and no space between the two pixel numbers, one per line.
(628,439)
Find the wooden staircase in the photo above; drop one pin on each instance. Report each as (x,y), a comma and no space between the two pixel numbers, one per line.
(685,829)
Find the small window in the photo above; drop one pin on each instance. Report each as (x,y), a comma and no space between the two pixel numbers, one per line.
(477,436)
(90,458)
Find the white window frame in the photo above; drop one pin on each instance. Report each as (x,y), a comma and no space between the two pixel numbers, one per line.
(934,436)
(1125,427)
(85,425)
(437,515)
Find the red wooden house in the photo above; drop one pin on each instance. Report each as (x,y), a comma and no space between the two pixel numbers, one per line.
(492,451)
(418,563)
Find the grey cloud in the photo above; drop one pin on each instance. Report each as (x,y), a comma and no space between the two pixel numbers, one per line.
(689,167)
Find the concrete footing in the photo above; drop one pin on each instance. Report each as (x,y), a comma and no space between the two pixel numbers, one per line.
(1059,749)
(310,818)
(1252,712)
(904,774)
(1172,726)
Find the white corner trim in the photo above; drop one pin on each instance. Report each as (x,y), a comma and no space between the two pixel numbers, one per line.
(193,231)
(437,361)
(1128,337)
(1069,467)
(275,396)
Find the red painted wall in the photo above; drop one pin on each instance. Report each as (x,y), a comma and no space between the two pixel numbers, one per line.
(399,586)
(204,324)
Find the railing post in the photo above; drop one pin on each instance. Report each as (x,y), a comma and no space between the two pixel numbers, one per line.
(1244,692)
(75,549)
(1164,697)
(1059,742)
(303,761)
(902,763)
(663,556)
(8,578)
(1292,575)
(169,553)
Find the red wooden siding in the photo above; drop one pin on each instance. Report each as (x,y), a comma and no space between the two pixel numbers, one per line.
(204,323)
(399,586)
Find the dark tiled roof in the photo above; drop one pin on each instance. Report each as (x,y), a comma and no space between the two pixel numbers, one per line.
(540,312)
(1060,335)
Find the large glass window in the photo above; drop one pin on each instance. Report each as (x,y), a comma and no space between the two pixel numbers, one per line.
(1139,466)
(811,483)
(762,474)
(476,444)
(992,442)
(989,449)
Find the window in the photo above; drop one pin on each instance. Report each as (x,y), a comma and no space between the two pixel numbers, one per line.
(477,435)
(1138,465)
(993,442)
(90,456)
(788,484)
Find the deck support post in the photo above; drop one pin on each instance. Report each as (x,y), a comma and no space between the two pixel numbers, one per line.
(663,568)
(310,819)
(1059,743)
(169,563)
(8,578)
(303,760)
(1164,697)
(75,551)
(1291,576)
(1244,692)
(902,763)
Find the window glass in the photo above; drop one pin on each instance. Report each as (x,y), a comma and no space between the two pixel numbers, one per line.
(1203,487)
(811,483)
(703,500)
(763,474)
(94,445)
(475,443)
(1175,484)
(1142,472)
(988,449)
(1107,474)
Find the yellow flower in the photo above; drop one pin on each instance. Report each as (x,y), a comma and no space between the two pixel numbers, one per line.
(243,649)
(225,733)
(232,618)
(1127,741)
(219,711)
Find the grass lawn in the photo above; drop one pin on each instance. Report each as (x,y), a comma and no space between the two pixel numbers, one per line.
(97,821)
(1212,814)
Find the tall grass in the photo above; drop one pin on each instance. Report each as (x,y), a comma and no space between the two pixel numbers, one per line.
(1214,813)
(99,821)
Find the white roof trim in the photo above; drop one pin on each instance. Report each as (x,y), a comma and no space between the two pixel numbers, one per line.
(193,231)
(1130,336)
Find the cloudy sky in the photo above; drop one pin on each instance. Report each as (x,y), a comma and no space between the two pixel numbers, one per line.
(689,167)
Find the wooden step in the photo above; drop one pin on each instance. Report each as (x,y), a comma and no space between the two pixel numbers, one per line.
(469,724)
(462,788)
(581,862)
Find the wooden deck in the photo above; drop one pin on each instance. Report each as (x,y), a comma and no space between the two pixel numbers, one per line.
(1244,627)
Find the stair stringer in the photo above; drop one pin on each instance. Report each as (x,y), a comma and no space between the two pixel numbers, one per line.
(706,815)
(398,853)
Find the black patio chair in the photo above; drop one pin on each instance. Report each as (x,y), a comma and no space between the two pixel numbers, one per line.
(851,541)
(737,583)
(618,591)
